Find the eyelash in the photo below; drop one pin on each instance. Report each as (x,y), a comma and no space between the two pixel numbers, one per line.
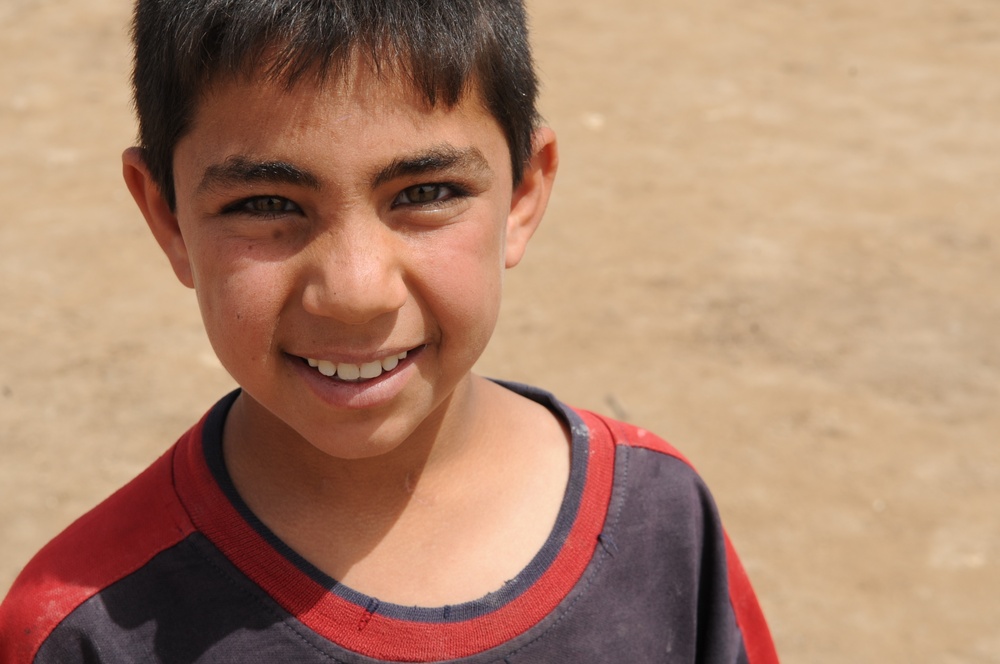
(445,193)
(245,206)
(449,190)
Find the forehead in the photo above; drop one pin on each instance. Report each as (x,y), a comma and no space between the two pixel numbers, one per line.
(343,118)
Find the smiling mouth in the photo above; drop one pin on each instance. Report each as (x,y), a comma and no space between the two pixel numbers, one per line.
(357,373)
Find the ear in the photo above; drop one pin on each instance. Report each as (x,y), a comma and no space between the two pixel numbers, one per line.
(531,195)
(159,217)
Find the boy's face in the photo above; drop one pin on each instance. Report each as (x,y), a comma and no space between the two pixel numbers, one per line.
(335,228)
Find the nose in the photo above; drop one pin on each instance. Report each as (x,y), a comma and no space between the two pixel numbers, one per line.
(355,273)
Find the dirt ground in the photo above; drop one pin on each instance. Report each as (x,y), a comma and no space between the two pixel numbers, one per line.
(774,241)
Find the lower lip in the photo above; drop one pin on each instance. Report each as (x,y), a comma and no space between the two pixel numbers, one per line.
(362,394)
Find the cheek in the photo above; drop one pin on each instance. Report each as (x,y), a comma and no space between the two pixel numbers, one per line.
(241,305)
(465,276)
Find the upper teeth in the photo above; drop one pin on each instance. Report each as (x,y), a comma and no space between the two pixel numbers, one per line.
(348,371)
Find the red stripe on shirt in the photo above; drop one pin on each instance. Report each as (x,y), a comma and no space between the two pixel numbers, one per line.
(375,635)
(103,546)
(749,617)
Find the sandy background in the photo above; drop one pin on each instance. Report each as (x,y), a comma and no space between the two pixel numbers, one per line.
(774,241)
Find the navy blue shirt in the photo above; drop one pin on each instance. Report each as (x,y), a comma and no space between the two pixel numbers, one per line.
(175,568)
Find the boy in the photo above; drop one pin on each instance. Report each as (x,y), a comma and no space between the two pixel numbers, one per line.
(343,183)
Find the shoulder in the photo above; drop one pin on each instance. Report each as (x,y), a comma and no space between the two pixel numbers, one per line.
(632,436)
(665,515)
(648,463)
(655,487)
(108,543)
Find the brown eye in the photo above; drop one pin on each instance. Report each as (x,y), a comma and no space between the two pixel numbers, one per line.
(264,207)
(423,193)
(270,205)
(430,197)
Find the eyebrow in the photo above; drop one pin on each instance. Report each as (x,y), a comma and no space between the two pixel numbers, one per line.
(238,170)
(437,158)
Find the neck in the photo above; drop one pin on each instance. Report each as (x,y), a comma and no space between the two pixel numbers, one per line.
(418,506)
(277,471)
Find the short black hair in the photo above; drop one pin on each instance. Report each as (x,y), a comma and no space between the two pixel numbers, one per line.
(444,47)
